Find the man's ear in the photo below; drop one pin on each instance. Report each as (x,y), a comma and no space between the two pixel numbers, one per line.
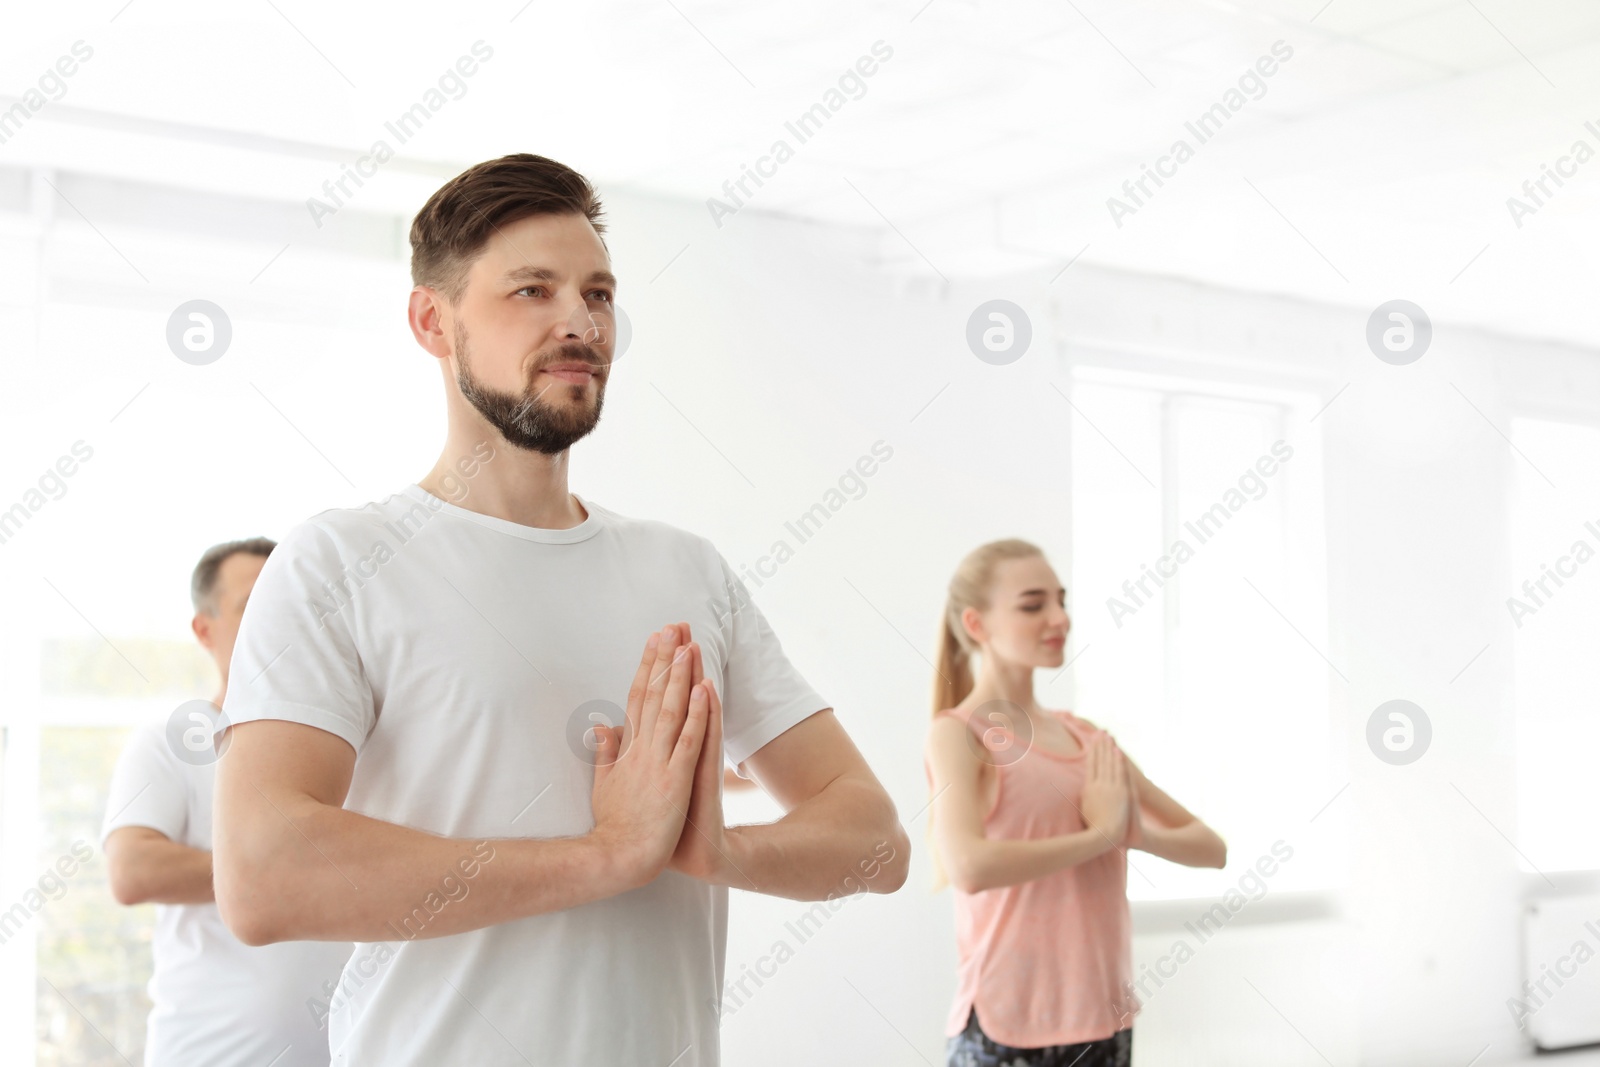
(425,314)
(201,625)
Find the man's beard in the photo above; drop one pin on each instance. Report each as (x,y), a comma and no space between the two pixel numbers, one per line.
(526,421)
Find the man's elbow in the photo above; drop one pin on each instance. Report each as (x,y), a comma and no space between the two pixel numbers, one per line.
(892,852)
(897,867)
(126,888)
(248,916)
(249,931)
(247,898)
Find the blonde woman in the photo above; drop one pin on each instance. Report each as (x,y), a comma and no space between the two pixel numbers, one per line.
(1032,813)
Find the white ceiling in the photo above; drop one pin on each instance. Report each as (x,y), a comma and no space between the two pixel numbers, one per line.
(1376,165)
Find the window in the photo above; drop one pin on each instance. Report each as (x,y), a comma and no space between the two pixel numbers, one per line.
(1199,613)
(93,955)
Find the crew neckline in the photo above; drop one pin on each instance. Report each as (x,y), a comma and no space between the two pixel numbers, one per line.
(581,532)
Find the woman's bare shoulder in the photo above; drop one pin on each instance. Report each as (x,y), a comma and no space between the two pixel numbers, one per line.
(947,732)
(950,721)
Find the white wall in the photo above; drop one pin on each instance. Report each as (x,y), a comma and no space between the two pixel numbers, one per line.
(1414,962)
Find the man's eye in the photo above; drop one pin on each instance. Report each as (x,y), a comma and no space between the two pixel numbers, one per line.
(607,297)
(525,288)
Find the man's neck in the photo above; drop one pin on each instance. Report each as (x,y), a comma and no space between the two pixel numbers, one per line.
(527,488)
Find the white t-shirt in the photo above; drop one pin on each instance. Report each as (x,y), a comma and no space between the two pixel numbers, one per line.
(217,1001)
(464,656)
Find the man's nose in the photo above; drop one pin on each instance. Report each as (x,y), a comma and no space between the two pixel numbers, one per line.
(585,325)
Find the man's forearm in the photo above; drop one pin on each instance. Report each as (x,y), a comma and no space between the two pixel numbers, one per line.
(155,870)
(846,839)
(325,873)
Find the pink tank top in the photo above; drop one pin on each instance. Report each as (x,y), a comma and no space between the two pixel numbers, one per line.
(1049,961)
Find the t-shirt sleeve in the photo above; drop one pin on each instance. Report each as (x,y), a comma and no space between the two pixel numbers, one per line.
(763,694)
(148,788)
(295,658)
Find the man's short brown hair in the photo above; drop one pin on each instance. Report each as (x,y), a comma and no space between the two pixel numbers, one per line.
(203,583)
(450,231)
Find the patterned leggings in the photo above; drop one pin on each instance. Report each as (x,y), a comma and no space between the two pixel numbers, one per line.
(973,1048)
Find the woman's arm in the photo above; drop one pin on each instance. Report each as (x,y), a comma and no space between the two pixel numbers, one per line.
(1170,830)
(971,861)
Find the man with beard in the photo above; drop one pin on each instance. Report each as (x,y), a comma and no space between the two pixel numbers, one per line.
(480,725)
